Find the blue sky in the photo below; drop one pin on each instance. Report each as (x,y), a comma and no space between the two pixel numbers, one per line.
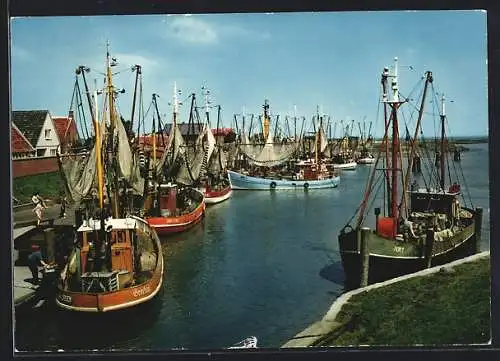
(305,59)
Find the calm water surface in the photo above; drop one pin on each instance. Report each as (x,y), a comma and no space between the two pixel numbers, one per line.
(262,263)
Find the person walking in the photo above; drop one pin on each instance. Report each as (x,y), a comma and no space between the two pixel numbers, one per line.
(64,203)
(34,261)
(39,207)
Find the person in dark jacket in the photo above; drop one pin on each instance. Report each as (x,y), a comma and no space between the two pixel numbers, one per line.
(64,203)
(34,261)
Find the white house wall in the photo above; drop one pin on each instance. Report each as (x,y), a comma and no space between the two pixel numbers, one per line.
(50,143)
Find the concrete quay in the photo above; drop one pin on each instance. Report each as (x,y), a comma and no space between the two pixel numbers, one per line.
(24,233)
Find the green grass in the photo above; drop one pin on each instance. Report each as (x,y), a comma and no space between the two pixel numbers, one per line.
(48,185)
(441,309)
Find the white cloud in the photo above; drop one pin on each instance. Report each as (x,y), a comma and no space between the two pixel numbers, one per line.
(196,30)
(125,60)
(241,32)
(20,54)
(133,59)
(192,30)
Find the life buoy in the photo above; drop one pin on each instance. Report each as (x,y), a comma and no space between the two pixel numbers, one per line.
(306,185)
(273,185)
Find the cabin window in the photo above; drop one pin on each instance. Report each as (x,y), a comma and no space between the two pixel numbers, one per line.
(424,203)
(47,133)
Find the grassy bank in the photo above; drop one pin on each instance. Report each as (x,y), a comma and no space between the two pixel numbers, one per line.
(48,185)
(441,309)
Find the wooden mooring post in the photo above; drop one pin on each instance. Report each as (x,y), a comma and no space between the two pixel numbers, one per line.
(429,245)
(49,237)
(365,256)
(478,222)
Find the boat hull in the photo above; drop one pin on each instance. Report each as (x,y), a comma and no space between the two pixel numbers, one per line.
(213,197)
(385,264)
(115,300)
(243,182)
(367,160)
(170,225)
(345,166)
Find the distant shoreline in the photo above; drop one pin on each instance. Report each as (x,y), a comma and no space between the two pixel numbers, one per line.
(456,140)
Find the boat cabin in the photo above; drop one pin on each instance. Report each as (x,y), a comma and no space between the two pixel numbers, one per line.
(310,170)
(116,268)
(423,200)
(163,203)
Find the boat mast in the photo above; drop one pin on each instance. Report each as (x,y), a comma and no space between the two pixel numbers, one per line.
(82,69)
(174,122)
(114,199)
(98,152)
(443,117)
(413,141)
(206,93)
(242,123)
(218,136)
(317,136)
(394,103)
(266,120)
(385,76)
(295,122)
(154,138)
(138,71)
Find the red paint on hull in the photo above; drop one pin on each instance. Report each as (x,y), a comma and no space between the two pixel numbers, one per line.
(217,196)
(170,225)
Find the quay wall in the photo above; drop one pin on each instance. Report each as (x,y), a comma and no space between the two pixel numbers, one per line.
(32,166)
(327,326)
(22,167)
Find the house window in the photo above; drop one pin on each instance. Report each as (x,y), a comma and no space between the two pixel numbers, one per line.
(40,152)
(47,133)
(52,152)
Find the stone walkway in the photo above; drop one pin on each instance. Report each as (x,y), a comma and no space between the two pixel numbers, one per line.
(26,216)
(24,220)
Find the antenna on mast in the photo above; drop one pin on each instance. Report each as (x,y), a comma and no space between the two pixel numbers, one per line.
(176,99)
(395,85)
(442,105)
(206,94)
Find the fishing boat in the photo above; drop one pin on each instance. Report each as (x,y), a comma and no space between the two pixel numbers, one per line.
(117,262)
(273,167)
(178,209)
(341,153)
(214,179)
(171,206)
(420,227)
(343,160)
(366,159)
(365,156)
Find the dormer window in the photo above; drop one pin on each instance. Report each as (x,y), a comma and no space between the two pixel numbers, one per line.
(47,133)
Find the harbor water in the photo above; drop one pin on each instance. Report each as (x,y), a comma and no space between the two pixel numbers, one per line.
(262,263)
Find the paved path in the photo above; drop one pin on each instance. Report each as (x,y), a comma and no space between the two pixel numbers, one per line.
(25,291)
(23,216)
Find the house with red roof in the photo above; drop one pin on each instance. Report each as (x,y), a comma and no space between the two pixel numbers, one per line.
(38,129)
(67,132)
(20,146)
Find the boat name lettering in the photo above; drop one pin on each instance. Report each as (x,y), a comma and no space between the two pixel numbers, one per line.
(141,291)
(64,298)
(399,249)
